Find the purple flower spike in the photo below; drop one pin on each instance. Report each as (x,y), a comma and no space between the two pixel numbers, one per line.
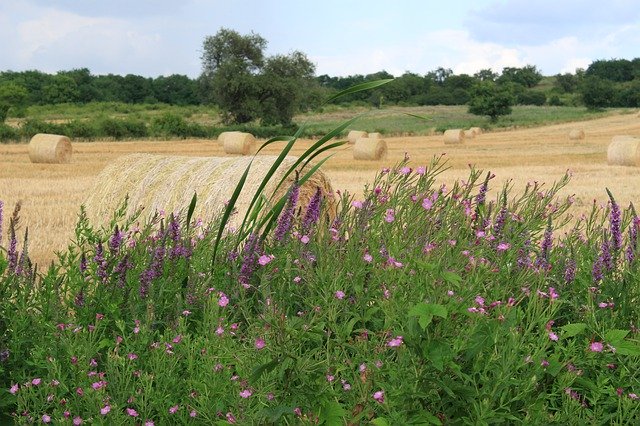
(614,220)
(286,219)
(312,215)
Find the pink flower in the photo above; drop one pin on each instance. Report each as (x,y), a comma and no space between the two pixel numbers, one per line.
(503,246)
(544,363)
(330,378)
(405,170)
(421,170)
(98,385)
(395,342)
(220,330)
(174,409)
(427,203)
(105,410)
(264,259)
(363,367)
(131,412)
(596,347)
(132,356)
(379,396)
(553,336)
(149,423)
(246,393)
(304,239)
(356,204)
(230,418)
(297,411)
(46,418)
(77,421)
(367,258)
(260,343)
(340,294)
(633,396)
(223,300)
(36,381)
(14,389)
(297,279)
(390,216)
(193,414)
(80,391)
(345,385)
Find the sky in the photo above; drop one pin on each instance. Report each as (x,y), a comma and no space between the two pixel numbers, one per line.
(341,37)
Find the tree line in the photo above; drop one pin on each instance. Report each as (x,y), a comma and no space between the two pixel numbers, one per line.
(249,86)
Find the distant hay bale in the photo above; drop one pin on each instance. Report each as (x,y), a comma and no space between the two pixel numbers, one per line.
(52,149)
(239,143)
(454,136)
(469,134)
(158,182)
(476,130)
(624,151)
(354,135)
(576,134)
(370,149)
(224,135)
(375,135)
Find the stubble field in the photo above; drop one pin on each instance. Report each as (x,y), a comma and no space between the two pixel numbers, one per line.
(51,194)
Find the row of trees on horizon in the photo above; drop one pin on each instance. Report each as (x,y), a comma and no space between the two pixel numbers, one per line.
(247,85)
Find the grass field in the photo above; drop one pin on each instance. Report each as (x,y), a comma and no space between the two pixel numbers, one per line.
(51,195)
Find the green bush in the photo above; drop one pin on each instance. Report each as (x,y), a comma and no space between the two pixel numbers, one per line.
(31,127)
(8,134)
(81,129)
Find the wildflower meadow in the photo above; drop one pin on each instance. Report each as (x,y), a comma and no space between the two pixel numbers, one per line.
(418,303)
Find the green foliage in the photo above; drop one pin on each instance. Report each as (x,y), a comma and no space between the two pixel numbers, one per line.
(527,76)
(597,92)
(531,97)
(491,100)
(8,133)
(12,95)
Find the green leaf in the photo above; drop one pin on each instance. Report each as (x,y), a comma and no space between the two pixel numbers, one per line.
(614,336)
(192,207)
(555,365)
(451,277)
(264,368)
(426,311)
(380,421)
(359,88)
(571,330)
(626,347)
(332,414)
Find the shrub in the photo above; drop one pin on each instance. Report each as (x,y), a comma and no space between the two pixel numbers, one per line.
(8,134)
(81,129)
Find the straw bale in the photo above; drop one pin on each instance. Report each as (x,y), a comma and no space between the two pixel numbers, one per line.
(469,134)
(454,136)
(370,149)
(239,143)
(624,151)
(354,135)
(168,183)
(576,134)
(375,135)
(476,130)
(225,135)
(53,149)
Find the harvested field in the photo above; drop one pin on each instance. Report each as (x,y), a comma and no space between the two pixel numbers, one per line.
(52,194)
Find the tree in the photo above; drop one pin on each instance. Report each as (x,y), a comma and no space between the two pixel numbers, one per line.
(528,76)
(618,70)
(567,83)
(246,85)
(486,74)
(284,82)
(491,99)
(597,92)
(12,95)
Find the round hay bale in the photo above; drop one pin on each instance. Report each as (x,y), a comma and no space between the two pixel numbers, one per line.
(52,149)
(469,134)
(454,136)
(225,135)
(476,130)
(354,135)
(624,151)
(158,182)
(239,143)
(370,149)
(375,135)
(576,135)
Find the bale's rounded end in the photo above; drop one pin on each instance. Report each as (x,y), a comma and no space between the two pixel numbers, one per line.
(576,135)
(354,135)
(50,149)
(370,149)
(238,143)
(624,151)
(454,136)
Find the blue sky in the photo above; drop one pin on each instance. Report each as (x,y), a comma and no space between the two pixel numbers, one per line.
(163,37)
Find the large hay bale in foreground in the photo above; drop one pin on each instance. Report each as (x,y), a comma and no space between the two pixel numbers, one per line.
(167,183)
(454,136)
(239,143)
(52,149)
(576,135)
(624,151)
(370,149)
(354,135)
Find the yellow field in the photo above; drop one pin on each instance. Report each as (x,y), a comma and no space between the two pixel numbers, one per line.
(52,194)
